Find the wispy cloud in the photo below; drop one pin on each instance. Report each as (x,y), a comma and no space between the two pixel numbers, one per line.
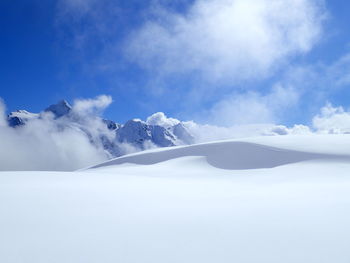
(187,55)
(253,107)
(91,106)
(231,45)
(227,39)
(315,84)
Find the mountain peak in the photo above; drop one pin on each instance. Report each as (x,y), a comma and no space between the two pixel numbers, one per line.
(60,109)
(135,134)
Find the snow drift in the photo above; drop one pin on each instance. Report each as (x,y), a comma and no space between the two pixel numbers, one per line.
(235,154)
(175,205)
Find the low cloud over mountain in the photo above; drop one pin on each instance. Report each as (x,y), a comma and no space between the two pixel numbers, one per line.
(68,137)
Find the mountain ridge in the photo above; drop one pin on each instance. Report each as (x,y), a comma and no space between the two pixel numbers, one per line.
(117,139)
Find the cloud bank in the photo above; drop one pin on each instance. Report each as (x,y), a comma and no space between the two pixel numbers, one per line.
(52,144)
(332,120)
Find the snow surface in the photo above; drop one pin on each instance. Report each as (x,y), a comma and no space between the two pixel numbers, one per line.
(267,199)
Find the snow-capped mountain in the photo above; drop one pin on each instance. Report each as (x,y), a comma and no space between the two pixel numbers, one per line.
(20,117)
(117,139)
(60,109)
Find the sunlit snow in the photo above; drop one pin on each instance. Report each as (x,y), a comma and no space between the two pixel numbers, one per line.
(266,199)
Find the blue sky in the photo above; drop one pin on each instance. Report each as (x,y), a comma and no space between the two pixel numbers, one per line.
(223,62)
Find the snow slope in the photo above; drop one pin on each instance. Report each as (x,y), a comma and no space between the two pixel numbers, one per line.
(267,199)
(252,153)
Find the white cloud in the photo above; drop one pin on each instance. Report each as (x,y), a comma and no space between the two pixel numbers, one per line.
(332,120)
(227,39)
(48,144)
(159,118)
(91,106)
(86,114)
